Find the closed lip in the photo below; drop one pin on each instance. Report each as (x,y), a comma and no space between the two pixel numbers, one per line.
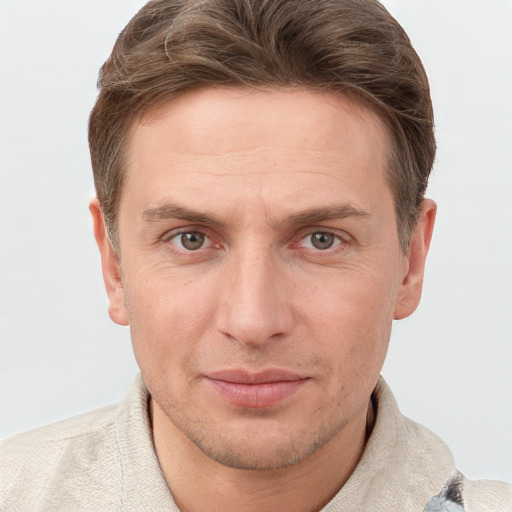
(242,376)
(255,390)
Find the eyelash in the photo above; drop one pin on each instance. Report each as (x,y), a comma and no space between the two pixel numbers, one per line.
(339,240)
(339,244)
(169,237)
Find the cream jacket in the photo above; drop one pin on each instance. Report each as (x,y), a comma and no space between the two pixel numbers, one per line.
(105,461)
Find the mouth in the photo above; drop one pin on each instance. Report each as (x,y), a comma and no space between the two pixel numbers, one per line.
(255,390)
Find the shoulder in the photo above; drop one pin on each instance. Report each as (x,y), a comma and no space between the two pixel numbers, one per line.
(462,495)
(48,438)
(487,496)
(71,452)
(420,465)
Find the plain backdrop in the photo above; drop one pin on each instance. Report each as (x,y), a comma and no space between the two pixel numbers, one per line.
(450,364)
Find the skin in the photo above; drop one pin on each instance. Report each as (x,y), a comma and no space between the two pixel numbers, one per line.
(258,174)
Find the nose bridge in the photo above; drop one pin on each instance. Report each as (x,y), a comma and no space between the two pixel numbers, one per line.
(253,306)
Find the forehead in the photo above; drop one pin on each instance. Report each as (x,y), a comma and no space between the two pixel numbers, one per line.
(303,117)
(240,144)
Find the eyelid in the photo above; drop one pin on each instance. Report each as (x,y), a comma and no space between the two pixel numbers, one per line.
(343,237)
(180,231)
(176,232)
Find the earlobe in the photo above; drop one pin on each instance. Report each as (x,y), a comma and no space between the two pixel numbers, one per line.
(409,294)
(110,266)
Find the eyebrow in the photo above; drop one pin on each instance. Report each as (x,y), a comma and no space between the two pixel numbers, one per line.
(310,216)
(171,211)
(314,215)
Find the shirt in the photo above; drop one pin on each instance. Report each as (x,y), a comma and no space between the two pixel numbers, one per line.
(105,461)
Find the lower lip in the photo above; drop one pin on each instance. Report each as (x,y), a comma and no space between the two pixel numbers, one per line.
(256,396)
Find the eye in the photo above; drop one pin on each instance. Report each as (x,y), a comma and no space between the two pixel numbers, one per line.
(190,240)
(321,240)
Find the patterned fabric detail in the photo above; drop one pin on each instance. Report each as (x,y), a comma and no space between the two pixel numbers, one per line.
(450,498)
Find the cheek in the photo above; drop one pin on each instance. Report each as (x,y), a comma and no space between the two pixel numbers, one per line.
(352,319)
(359,301)
(168,318)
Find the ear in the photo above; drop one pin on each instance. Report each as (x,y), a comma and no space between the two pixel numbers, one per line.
(409,294)
(109,266)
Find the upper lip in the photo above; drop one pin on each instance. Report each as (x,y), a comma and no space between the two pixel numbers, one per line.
(242,376)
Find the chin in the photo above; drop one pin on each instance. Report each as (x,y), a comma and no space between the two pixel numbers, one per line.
(240,456)
(262,447)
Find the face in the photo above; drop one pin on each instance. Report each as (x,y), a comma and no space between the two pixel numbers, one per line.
(260,268)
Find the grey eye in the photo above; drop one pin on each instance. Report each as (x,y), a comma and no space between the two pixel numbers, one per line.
(322,240)
(192,241)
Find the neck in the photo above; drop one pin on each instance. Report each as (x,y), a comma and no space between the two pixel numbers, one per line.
(199,483)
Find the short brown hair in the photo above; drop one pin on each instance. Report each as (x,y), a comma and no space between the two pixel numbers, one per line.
(350,46)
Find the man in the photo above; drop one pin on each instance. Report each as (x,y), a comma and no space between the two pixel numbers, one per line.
(260,170)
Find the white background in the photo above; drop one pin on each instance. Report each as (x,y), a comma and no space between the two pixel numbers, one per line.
(450,365)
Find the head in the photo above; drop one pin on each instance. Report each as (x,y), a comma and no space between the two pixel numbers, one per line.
(260,170)
(354,47)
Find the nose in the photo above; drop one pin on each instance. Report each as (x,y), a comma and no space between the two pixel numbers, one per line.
(254,306)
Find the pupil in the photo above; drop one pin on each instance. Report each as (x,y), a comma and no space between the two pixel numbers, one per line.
(192,241)
(322,240)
